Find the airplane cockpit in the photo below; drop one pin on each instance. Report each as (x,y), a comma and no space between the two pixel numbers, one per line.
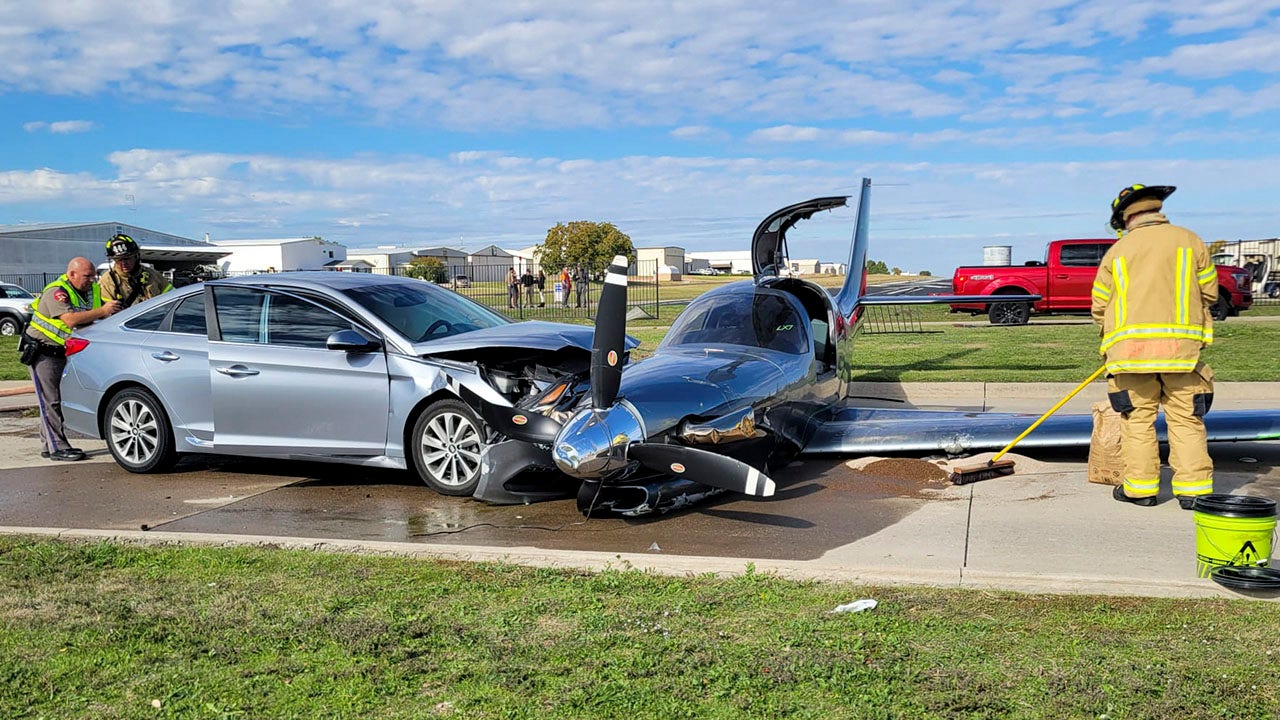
(763,319)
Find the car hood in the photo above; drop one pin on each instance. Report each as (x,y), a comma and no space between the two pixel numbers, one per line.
(529,335)
(768,245)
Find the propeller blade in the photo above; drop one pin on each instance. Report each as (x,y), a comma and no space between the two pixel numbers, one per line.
(607,345)
(519,424)
(703,467)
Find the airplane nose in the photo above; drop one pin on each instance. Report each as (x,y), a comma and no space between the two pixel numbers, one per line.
(594,443)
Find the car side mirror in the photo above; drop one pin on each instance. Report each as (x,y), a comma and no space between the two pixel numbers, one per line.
(352,341)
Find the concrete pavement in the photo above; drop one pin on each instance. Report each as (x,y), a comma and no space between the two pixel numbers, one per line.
(1044,529)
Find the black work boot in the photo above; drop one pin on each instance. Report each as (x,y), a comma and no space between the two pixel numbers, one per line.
(1118,494)
(1187,502)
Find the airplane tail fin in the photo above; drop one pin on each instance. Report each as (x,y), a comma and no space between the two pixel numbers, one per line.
(855,278)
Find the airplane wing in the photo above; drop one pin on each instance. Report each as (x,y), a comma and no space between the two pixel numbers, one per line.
(869,431)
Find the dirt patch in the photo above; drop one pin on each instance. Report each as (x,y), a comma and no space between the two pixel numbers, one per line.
(893,477)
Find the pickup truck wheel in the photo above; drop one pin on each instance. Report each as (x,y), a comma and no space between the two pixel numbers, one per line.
(1221,308)
(1009,313)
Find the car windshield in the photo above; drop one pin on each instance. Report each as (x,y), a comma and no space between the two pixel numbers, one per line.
(13,291)
(763,320)
(423,312)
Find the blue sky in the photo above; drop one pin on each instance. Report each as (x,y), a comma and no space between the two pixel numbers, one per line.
(469,123)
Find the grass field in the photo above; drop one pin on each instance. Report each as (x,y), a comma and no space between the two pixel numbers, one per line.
(99,630)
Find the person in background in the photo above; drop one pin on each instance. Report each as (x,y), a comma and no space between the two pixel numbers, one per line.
(582,286)
(513,289)
(542,286)
(71,301)
(566,284)
(529,284)
(128,280)
(1152,296)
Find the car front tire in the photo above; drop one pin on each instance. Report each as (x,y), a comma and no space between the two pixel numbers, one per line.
(445,447)
(9,326)
(138,433)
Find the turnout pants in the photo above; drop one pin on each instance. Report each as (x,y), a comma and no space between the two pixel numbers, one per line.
(47,376)
(1186,397)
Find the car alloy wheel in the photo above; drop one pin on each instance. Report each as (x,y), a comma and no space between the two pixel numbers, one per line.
(9,326)
(137,432)
(446,444)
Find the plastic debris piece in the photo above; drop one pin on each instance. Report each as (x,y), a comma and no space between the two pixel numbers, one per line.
(856,606)
(654,548)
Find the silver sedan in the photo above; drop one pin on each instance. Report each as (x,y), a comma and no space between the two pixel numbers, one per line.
(336,367)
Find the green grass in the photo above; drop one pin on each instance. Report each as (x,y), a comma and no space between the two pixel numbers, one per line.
(100,630)
(1048,352)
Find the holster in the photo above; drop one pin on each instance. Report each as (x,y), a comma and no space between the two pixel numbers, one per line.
(28,349)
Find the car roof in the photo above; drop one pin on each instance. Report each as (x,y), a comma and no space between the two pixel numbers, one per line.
(320,278)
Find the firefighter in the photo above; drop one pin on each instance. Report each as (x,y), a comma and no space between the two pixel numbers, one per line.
(69,302)
(1151,297)
(128,280)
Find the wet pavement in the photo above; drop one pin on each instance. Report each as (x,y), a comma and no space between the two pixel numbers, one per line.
(876,520)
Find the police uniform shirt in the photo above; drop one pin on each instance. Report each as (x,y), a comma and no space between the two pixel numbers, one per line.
(119,287)
(53,303)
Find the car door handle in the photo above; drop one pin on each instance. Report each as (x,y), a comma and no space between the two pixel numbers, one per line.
(1062,277)
(236,371)
(166,356)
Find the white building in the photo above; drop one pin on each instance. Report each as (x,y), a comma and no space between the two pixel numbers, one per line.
(388,259)
(805,267)
(726,261)
(44,249)
(281,254)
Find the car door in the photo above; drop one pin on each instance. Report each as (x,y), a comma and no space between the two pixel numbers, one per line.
(277,390)
(1072,279)
(176,357)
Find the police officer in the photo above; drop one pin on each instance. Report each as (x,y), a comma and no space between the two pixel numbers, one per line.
(128,280)
(69,302)
(1151,296)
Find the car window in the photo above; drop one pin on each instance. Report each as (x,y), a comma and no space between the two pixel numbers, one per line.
(1082,255)
(13,291)
(188,318)
(149,320)
(239,312)
(422,312)
(297,322)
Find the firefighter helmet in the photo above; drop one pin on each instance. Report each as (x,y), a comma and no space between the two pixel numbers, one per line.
(121,246)
(1133,194)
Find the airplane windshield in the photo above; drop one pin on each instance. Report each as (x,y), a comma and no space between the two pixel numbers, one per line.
(767,321)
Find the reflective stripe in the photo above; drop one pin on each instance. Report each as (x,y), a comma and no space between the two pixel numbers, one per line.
(1208,275)
(1121,274)
(1101,292)
(1141,488)
(1153,331)
(1151,366)
(1193,487)
(1182,285)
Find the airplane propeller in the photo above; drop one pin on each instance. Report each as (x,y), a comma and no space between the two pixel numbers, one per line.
(519,424)
(703,467)
(607,347)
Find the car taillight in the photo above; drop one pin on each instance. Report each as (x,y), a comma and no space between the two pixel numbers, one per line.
(75,345)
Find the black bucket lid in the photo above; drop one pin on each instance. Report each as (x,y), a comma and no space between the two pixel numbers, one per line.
(1247,577)
(1238,506)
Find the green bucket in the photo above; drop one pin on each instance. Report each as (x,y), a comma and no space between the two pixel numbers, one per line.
(1233,530)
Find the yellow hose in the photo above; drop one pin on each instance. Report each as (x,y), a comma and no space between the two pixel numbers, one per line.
(1052,410)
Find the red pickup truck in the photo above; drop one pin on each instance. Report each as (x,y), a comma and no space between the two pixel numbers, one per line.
(1064,280)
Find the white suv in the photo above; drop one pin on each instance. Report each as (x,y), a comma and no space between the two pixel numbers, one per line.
(15,309)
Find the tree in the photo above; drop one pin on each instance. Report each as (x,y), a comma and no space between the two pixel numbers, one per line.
(896,271)
(925,273)
(1217,246)
(877,267)
(584,242)
(427,268)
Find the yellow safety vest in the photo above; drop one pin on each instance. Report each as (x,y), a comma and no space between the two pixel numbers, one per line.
(53,328)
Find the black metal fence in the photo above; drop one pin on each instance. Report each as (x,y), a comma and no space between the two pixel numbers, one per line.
(550,299)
